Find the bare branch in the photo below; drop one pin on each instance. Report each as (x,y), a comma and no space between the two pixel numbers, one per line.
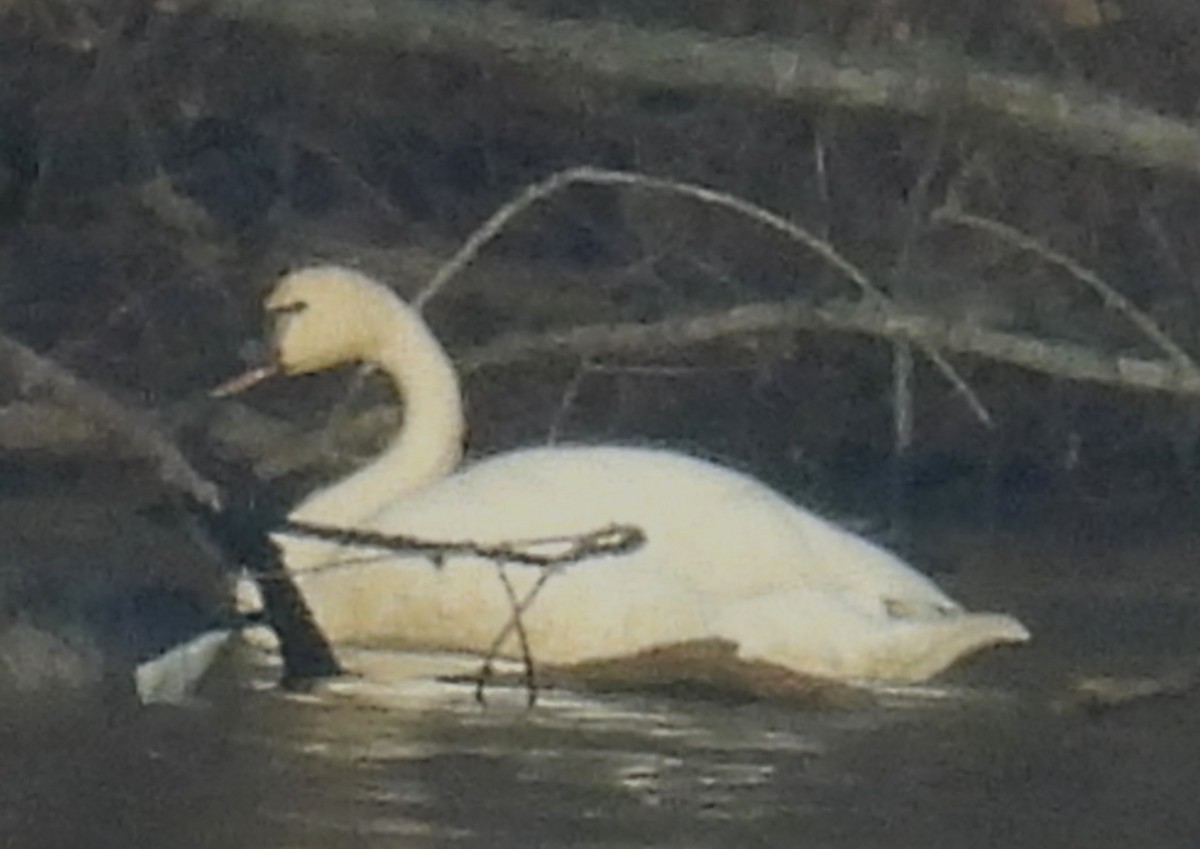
(495,225)
(232,526)
(589,175)
(551,554)
(515,623)
(134,429)
(1109,296)
(1105,693)
(1059,359)
(544,552)
(924,82)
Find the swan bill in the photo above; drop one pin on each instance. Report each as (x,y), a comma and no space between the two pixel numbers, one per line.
(244,381)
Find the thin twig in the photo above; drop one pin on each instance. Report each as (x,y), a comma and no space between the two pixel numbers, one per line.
(492,228)
(903,422)
(904,405)
(588,175)
(1109,296)
(515,622)
(609,541)
(567,401)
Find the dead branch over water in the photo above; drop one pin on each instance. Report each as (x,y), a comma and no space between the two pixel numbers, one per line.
(236,531)
(550,554)
(587,175)
(1109,296)
(60,420)
(135,429)
(289,450)
(924,83)
(1058,359)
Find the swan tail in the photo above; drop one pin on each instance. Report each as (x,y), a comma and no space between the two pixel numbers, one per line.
(922,649)
(828,637)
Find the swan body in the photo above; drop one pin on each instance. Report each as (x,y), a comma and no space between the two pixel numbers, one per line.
(724,556)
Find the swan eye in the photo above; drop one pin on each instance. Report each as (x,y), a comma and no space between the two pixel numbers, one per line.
(288,309)
(280,315)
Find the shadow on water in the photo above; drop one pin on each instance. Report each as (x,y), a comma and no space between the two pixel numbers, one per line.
(984,759)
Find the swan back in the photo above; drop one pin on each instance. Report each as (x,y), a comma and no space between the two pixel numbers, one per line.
(730,534)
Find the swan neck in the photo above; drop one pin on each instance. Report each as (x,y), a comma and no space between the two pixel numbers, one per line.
(428,445)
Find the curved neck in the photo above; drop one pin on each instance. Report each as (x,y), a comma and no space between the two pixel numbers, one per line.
(428,446)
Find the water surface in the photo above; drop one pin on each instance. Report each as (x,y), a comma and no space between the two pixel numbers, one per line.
(985,758)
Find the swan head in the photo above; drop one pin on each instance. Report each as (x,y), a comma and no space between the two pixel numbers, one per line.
(327,316)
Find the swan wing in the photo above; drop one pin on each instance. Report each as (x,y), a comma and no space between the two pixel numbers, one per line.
(728,534)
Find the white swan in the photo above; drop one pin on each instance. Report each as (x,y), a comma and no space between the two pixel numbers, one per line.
(725,557)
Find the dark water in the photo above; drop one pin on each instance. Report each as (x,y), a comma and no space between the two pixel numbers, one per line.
(984,759)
